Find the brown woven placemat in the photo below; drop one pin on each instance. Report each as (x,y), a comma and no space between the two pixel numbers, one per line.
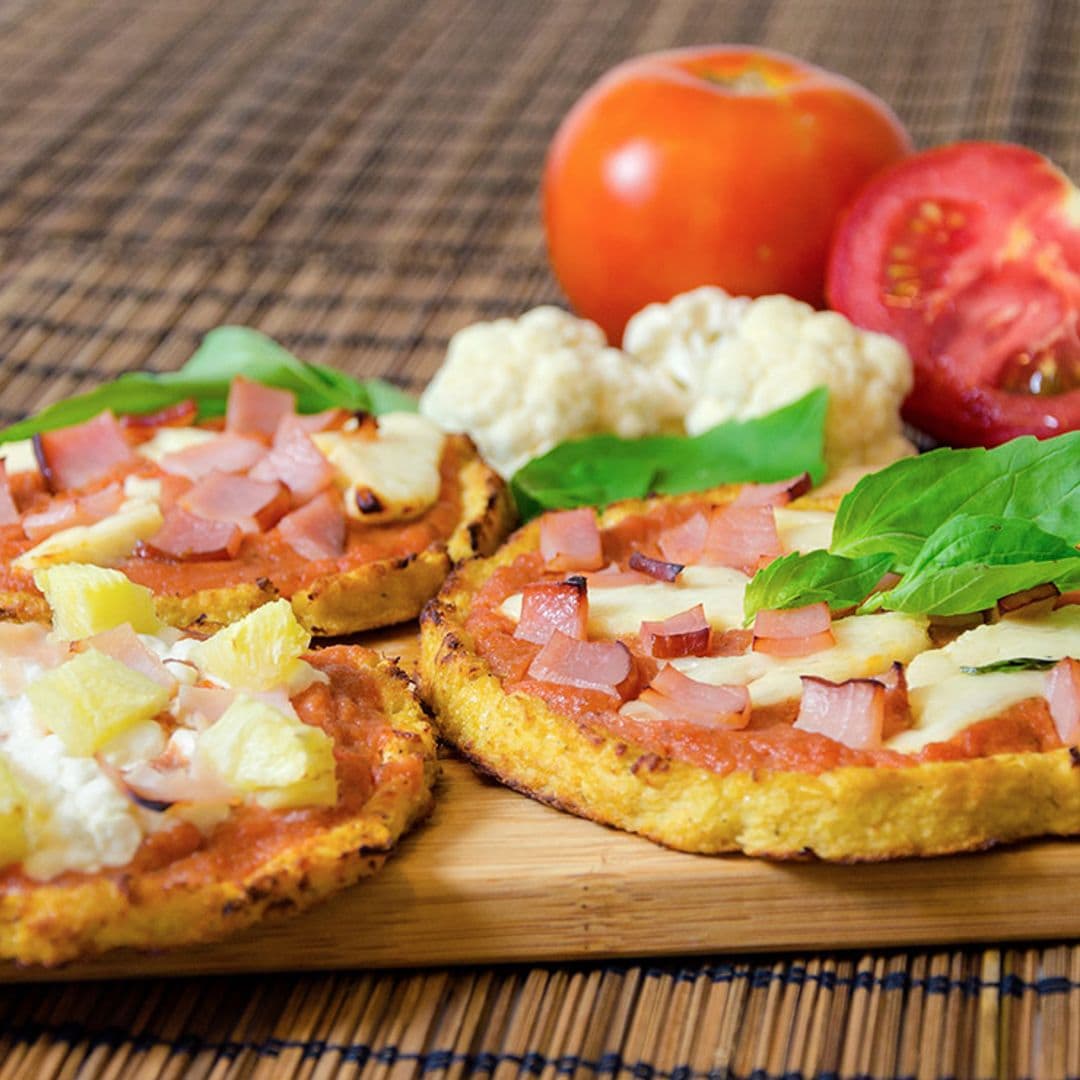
(361,180)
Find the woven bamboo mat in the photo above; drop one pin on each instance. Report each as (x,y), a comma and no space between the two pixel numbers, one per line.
(360,180)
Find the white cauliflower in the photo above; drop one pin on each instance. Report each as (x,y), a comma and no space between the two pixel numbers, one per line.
(520,387)
(737,358)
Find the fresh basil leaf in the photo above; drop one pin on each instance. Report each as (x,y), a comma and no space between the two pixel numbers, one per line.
(603,469)
(797,580)
(1017,663)
(897,509)
(973,560)
(224,353)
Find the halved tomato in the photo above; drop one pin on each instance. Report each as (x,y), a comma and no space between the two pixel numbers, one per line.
(970,255)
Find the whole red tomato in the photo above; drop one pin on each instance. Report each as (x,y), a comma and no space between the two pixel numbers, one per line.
(970,255)
(709,166)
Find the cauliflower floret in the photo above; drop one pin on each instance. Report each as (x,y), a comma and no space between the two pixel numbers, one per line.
(520,387)
(737,358)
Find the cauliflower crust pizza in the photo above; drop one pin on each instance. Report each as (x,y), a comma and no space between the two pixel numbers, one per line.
(159,790)
(355,520)
(602,665)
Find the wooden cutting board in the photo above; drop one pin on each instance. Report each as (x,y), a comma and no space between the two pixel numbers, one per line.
(494,876)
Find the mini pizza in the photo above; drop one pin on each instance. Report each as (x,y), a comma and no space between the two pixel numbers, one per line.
(158,789)
(354,520)
(604,665)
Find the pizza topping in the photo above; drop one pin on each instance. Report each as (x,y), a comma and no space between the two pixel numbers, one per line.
(1045,594)
(678,696)
(685,542)
(851,712)
(603,666)
(74,457)
(199,706)
(1063,697)
(123,644)
(255,409)
(742,537)
(25,649)
(9,513)
(317,530)
(778,494)
(570,540)
(295,460)
(655,568)
(550,606)
(187,537)
(181,414)
(207,453)
(63,513)
(685,634)
(251,504)
(795,631)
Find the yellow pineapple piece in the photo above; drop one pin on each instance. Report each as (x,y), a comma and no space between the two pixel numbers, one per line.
(13,843)
(257,652)
(86,600)
(276,759)
(92,698)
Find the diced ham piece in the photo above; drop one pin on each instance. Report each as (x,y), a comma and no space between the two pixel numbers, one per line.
(296,461)
(1041,594)
(795,631)
(1063,697)
(327,420)
(74,457)
(685,634)
(852,712)
(554,605)
(741,537)
(225,453)
(570,540)
(123,644)
(778,494)
(611,577)
(252,504)
(317,530)
(685,542)
(9,512)
(182,414)
(655,568)
(1066,598)
(680,697)
(603,666)
(164,785)
(194,539)
(732,642)
(23,644)
(63,513)
(200,706)
(254,409)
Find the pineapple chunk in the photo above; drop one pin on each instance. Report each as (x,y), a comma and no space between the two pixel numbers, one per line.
(13,842)
(104,543)
(278,760)
(256,653)
(86,600)
(92,698)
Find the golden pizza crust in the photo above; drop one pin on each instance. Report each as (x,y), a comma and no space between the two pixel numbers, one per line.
(52,923)
(848,814)
(378,593)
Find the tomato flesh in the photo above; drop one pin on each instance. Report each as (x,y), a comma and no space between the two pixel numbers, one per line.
(970,255)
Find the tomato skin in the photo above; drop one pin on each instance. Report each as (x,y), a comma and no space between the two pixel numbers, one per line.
(970,255)
(707,166)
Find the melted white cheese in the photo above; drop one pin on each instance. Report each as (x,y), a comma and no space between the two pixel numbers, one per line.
(804,530)
(171,440)
(19,456)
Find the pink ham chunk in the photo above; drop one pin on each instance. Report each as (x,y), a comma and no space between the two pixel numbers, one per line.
(685,542)
(570,540)
(254,409)
(254,505)
(795,631)
(678,696)
(742,537)
(327,420)
(63,513)
(189,538)
(852,712)
(316,530)
(200,706)
(554,605)
(9,512)
(123,644)
(657,569)
(779,494)
(73,457)
(1063,697)
(603,666)
(23,645)
(224,453)
(296,461)
(685,634)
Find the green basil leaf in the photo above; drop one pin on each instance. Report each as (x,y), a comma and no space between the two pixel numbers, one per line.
(603,469)
(973,560)
(1017,663)
(897,509)
(224,353)
(797,580)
